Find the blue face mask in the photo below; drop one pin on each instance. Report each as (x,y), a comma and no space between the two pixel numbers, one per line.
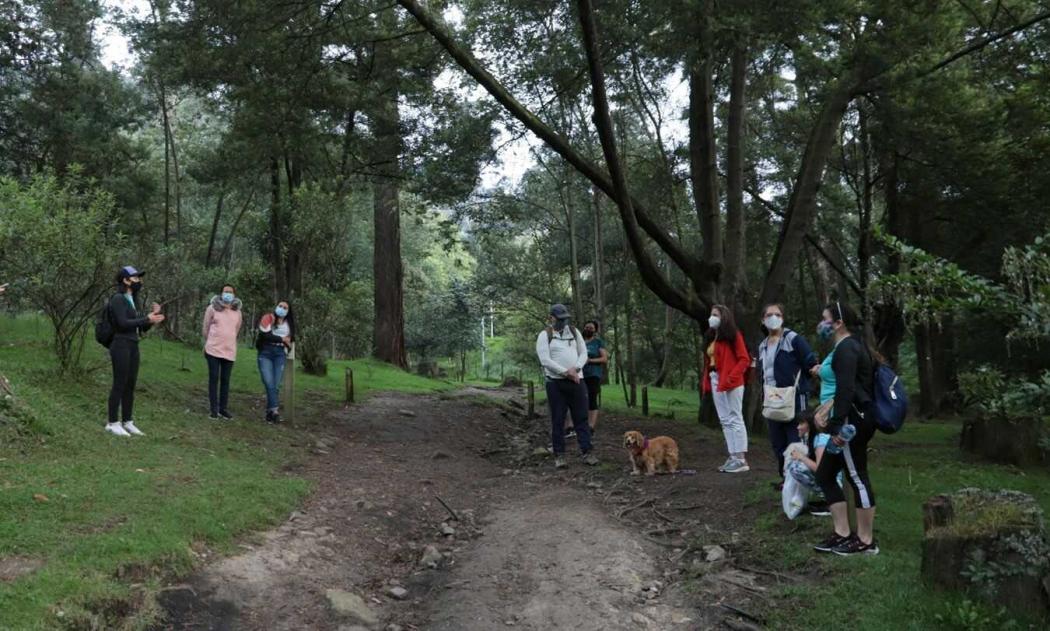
(825,330)
(280,312)
(227,297)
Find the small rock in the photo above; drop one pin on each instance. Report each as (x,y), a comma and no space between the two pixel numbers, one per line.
(447,530)
(351,606)
(713,554)
(540,451)
(364,504)
(40,497)
(431,557)
(394,627)
(641,620)
(594,485)
(408,413)
(397,593)
(440,455)
(507,472)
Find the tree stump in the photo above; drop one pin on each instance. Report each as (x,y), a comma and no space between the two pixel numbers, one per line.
(990,544)
(1006,441)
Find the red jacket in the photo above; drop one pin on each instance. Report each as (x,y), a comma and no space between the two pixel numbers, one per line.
(732,361)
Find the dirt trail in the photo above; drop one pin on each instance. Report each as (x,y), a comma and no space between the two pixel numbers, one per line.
(527,547)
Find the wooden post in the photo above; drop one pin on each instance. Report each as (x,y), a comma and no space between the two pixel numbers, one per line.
(532,400)
(349,384)
(289,384)
(645,400)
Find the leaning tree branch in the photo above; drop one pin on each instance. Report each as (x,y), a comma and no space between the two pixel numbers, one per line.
(688,303)
(690,264)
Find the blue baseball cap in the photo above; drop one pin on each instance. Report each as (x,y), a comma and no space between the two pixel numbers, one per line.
(559,311)
(128,271)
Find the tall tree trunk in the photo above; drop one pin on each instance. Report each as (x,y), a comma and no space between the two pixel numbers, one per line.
(214,229)
(574,259)
(702,148)
(802,206)
(866,210)
(599,264)
(280,289)
(735,226)
(389,330)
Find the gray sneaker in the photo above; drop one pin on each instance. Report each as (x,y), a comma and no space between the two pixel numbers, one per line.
(728,461)
(590,459)
(559,462)
(736,466)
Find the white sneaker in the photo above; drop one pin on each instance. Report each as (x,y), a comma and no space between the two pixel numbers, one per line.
(130,428)
(116,429)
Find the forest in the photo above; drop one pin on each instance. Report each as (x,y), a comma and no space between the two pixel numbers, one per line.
(421,181)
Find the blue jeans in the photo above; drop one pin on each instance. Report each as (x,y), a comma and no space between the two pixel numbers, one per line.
(562,395)
(271,369)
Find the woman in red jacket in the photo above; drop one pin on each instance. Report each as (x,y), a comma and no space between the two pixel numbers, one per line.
(726,361)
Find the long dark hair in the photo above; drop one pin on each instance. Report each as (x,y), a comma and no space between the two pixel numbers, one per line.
(727,330)
(855,325)
(289,319)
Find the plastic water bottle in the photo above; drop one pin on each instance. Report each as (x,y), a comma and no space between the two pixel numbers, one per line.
(847,433)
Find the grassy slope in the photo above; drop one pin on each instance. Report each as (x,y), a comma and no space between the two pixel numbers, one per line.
(134,507)
(886,592)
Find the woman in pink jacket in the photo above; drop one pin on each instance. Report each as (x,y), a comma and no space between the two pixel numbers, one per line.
(222,323)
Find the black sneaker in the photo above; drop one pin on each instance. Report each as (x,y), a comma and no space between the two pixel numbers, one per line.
(213,416)
(269,416)
(854,545)
(570,434)
(226,416)
(275,418)
(831,542)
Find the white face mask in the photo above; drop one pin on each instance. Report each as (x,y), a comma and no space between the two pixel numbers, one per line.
(773,322)
(714,321)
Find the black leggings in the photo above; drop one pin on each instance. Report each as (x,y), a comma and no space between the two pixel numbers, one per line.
(854,459)
(125,355)
(219,370)
(594,391)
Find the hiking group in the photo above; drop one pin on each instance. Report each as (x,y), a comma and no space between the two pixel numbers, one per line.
(831,440)
(827,444)
(123,320)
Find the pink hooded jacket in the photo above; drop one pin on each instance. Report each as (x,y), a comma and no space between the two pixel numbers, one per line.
(222,323)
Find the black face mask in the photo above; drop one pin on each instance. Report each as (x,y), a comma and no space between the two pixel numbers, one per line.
(136,286)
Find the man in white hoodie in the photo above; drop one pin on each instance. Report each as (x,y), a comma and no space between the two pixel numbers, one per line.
(563,354)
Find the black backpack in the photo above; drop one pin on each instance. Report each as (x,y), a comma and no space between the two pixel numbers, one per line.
(104,330)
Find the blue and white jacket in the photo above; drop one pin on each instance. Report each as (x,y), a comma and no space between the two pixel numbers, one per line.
(794,354)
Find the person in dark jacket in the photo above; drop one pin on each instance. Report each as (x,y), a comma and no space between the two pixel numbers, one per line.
(784,359)
(128,324)
(850,369)
(274,339)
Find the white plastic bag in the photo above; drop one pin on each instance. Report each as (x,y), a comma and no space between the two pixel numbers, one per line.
(794,497)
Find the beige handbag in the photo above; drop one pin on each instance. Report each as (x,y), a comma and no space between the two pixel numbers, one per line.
(778,404)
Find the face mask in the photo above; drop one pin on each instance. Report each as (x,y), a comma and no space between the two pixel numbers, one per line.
(714,321)
(280,312)
(227,297)
(773,323)
(560,324)
(825,330)
(588,332)
(137,285)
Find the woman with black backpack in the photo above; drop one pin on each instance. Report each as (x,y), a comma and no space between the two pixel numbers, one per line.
(846,376)
(128,324)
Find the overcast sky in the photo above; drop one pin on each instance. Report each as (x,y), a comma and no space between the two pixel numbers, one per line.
(514,157)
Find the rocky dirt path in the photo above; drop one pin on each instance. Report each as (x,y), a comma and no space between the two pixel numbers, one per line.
(444,512)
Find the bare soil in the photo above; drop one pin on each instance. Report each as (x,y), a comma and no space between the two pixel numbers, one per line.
(521,545)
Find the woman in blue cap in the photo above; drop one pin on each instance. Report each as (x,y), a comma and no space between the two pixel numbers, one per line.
(128,324)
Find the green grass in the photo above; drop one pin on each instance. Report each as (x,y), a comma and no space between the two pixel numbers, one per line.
(663,402)
(886,592)
(122,515)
